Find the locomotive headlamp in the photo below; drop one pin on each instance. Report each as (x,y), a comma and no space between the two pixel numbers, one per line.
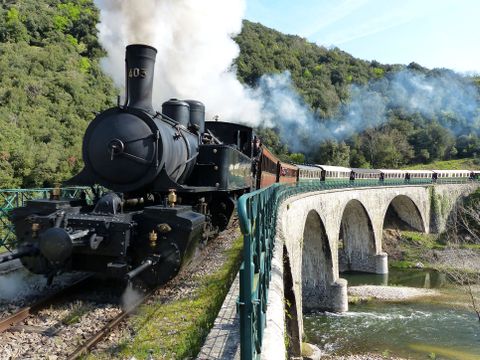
(172,197)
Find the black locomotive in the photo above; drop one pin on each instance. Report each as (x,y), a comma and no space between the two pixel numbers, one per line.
(172,178)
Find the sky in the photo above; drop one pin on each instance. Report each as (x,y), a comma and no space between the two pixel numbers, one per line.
(432,33)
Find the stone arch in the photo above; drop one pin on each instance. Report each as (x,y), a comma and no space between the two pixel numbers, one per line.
(356,250)
(317,264)
(403,208)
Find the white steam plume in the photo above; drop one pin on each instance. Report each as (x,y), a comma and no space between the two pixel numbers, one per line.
(195,50)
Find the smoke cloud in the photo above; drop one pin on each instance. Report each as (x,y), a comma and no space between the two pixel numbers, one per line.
(441,95)
(195,51)
(21,284)
(195,56)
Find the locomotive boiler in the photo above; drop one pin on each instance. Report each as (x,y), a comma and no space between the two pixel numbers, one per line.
(171,180)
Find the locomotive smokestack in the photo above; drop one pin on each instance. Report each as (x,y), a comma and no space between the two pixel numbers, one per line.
(140,65)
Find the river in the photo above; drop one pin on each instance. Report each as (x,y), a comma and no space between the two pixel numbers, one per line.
(417,329)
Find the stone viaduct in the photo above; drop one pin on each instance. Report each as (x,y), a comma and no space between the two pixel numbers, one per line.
(320,234)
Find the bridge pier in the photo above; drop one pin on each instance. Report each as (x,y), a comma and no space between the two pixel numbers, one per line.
(325,297)
(369,263)
(381,263)
(338,299)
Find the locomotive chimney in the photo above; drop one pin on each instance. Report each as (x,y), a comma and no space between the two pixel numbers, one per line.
(140,64)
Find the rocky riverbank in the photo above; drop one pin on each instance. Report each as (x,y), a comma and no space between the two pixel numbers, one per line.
(389,293)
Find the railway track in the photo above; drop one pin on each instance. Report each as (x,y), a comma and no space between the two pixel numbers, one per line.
(13,322)
(24,312)
(110,326)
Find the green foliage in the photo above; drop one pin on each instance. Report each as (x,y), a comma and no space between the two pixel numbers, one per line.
(460,164)
(50,85)
(320,75)
(378,72)
(49,22)
(333,153)
(297,158)
(421,239)
(271,140)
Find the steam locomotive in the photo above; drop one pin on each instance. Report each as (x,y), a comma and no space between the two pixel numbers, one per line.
(173,180)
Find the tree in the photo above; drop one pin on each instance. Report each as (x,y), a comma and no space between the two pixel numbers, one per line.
(331,152)
(387,148)
(458,262)
(297,158)
(50,86)
(434,140)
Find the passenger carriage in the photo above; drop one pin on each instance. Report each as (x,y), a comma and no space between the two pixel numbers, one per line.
(335,174)
(450,176)
(419,176)
(309,173)
(365,176)
(392,176)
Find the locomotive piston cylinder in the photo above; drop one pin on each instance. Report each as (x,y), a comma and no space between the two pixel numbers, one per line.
(18,254)
(135,272)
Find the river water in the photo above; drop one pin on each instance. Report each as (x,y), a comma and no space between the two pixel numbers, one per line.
(415,330)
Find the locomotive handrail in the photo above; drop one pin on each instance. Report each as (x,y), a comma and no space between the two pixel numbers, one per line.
(12,198)
(258,216)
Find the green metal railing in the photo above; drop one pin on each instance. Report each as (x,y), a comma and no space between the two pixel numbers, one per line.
(12,198)
(258,217)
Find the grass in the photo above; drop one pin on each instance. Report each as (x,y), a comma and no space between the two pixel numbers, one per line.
(471,246)
(413,245)
(457,164)
(177,329)
(76,314)
(402,264)
(421,239)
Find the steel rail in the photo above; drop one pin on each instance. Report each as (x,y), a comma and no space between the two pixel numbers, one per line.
(84,348)
(27,311)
